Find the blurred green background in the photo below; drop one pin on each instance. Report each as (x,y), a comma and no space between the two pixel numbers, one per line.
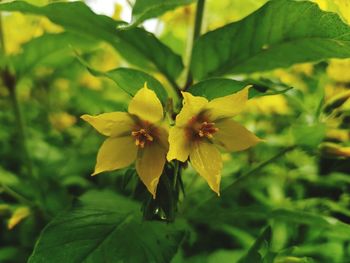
(302,192)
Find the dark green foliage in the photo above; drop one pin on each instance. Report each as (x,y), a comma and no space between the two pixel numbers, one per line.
(106,226)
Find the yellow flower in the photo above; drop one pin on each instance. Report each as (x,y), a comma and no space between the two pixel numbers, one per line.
(18,215)
(335,150)
(62,120)
(202,127)
(136,135)
(91,82)
(338,70)
(344,8)
(268,105)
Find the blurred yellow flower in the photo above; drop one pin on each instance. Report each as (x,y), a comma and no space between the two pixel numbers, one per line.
(181,15)
(18,215)
(268,105)
(62,120)
(118,9)
(106,58)
(30,27)
(227,11)
(202,127)
(337,100)
(91,82)
(290,78)
(334,150)
(338,134)
(323,4)
(344,8)
(304,68)
(136,135)
(61,84)
(339,70)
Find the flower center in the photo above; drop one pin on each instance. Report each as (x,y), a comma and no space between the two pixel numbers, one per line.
(141,136)
(207,129)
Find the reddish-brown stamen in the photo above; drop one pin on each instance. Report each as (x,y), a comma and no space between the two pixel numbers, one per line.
(207,129)
(141,136)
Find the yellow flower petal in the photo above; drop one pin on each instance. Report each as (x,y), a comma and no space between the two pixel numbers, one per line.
(163,136)
(233,136)
(146,105)
(149,166)
(228,106)
(192,105)
(115,153)
(206,160)
(180,146)
(111,124)
(19,214)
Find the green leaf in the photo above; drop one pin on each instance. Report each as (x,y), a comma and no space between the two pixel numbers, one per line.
(335,226)
(106,226)
(308,135)
(254,254)
(130,80)
(219,87)
(136,45)
(216,87)
(8,178)
(145,9)
(280,34)
(226,211)
(11,254)
(48,50)
(266,87)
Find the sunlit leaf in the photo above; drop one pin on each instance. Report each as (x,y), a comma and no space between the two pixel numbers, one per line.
(8,178)
(145,9)
(314,220)
(48,50)
(280,34)
(136,45)
(131,80)
(308,135)
(219,87)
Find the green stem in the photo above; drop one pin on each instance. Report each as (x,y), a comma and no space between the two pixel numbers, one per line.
(176,174)
(129,3)
(199,19)
(20,129)
(10,83)
(258,168)
(174,85)
(2,42)
(20,198)
(242,179)
(196,34)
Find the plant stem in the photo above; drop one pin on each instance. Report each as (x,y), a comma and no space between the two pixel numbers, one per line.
(258,168)
(174,85)
(20,129)
(196,34)
(17,196)
(129,3)
(249,175)
(176,174)
(2,42)
(10,83)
